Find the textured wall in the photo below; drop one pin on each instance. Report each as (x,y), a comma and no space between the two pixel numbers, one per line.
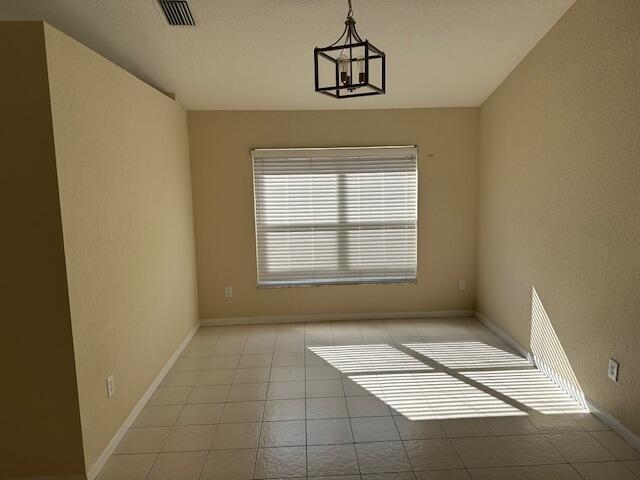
(559,196)
(125,194)
(39,416)
(220,145)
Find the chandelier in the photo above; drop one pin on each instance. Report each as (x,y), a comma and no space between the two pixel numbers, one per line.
(350,66)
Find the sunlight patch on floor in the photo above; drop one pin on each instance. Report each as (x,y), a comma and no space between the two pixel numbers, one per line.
(367,358)
(468,354)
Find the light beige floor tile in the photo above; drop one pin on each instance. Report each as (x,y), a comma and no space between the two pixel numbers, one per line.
(419,429)
(443,475)
(374,429)
(554,423)
(229,465)
(200,414)
(281,462)
(216,377)
(143,440)
(242,392)
(382,457)
(322,372)
(550,472)
(236,435)
(334,407)
(169,396)
(242,412)
(324,388)
(287,374)
(288,359)
(511,426)
(252,375)
(222,363)
(604,471)
(178,466)
(331,460)
(435,454)
(367,407)
(466,427)
(256,348)
(334,477)
(579,447)
(531,450)
(261,360)
(329,431)
(208,394)
(285,390)
(287,433)
(197,350)
(189,438)
(187,364)
(499,473)
(389,476)
(634,466)
(127,467)
(160,416)
(589,422)
(228,348)
(616,445)
(180,379)
(291,409)
(482,452)
(352,389)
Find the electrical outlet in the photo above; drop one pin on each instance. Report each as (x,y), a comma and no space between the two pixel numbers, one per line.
(462,284)
(228,292)
(111,388)
(613,369)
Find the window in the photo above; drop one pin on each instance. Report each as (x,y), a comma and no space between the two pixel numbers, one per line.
(335,215)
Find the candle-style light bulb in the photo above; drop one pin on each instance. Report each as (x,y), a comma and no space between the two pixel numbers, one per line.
(343,67)
(361,70)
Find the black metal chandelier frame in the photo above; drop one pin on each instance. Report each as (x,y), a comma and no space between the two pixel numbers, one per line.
(343,84)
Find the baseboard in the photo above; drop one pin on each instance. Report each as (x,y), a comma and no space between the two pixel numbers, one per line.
(104,456)
(504,336)
(327,317)
(601,414)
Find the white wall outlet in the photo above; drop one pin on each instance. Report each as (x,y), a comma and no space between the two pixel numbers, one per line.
(111,387)
(613,369)
(228,292)
(462,284)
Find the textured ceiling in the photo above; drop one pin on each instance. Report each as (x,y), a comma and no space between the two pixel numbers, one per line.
(258,54)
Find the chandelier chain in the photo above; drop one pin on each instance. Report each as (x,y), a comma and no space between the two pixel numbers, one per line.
(350,12)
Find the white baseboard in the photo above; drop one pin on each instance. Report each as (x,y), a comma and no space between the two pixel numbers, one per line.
(106,453)
(504,336)
(601,414)
(614,424)
(326,317)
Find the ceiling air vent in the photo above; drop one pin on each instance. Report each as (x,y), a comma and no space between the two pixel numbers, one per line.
(177,12)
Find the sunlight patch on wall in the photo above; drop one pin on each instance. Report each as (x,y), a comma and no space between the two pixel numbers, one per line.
(548,353)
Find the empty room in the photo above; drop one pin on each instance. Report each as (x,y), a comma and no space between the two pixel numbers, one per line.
(320,239)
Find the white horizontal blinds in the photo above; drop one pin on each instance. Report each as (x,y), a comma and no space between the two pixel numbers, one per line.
(327,216)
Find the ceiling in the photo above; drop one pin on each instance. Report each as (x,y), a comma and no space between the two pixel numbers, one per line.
(258,54)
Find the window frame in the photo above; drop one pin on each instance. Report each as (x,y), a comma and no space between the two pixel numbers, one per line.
(344,152)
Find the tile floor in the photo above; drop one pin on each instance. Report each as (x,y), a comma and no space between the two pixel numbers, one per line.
(415,399)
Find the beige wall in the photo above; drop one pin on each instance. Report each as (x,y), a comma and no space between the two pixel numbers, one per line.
(559,197)
(220,145)
(125,193)
(39,420)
